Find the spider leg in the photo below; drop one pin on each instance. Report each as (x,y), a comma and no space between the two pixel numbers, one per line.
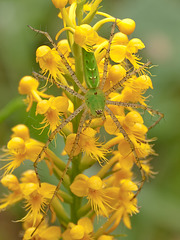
(120,83)
(52,135)
(89,122)
(126,137)
(60,85)
(82,120)
(73,75)
(107,56)
(135,105)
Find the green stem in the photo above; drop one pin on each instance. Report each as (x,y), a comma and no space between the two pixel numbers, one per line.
(66,197)
(66,180)
(66,131)
(84,210)
(86,163)
(79,73)
(56,160)
(65,17)
(60,212)
(105,226)
(77,102)
(76,200)
(78,62)
(104,170)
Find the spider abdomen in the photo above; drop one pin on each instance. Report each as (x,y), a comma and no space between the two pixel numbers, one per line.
(90,69)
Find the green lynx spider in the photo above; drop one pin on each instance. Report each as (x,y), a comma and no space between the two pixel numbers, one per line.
(94,102)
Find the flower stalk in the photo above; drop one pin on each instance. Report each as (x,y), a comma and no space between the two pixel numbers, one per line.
(103,83)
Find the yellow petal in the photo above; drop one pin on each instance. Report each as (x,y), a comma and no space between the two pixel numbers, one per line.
(120,39)
(33,148)
(51,233)
(42,107)
(59,3)
(11,182)
(87,224)
(42,51)
(110,126)
(106,237)
(126,221)
(144,82)
(77,232)
(79,188)
(85,36)
(60,103)
(134,45)
(27,84)
(116,73)
(132,118)
(140,129)
(128,185)
(126,25)
(16,145)
(89,132)
(124,148)
(64,48)
(95,183)
(29,176)
(118,53)
(21,131)
(69,144)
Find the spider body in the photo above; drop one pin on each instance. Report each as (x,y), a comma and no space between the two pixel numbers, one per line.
(94,101)
(94,97)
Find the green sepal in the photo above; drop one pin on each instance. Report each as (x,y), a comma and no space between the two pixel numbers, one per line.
(91,14)
(66,180)
(79,10)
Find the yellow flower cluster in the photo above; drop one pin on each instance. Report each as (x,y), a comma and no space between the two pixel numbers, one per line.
(114,140)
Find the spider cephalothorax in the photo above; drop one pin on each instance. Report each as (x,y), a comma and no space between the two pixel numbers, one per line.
(95,101)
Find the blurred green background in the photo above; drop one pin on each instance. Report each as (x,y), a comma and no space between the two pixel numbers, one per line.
(158,26)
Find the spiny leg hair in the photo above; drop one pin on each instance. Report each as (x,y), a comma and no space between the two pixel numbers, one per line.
(73,75)
(52,135)
(59,85)
(126,137)
(135,105)
(82,120)
(120,83)
(107,56)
